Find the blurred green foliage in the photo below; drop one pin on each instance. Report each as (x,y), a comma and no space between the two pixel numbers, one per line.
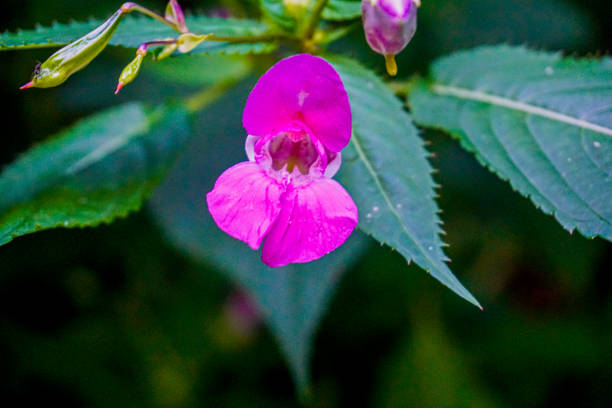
(115,316)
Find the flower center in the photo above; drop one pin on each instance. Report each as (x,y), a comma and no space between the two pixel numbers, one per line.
(293,150)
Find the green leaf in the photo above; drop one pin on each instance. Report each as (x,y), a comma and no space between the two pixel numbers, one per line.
(135,30)
(292,298)
(538,120)
(274,11)
(386,172)
(340,10)
(100,169)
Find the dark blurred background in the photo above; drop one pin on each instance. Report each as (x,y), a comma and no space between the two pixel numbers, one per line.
(118,316)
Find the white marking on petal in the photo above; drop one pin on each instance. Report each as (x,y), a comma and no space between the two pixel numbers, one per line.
(302,97)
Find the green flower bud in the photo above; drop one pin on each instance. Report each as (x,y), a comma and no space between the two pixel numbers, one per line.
(167,51)
(75,56)
(189,41)
(130,72)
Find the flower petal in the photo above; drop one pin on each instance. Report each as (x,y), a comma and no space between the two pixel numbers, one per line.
(245,202)
(315,219)
(303,88)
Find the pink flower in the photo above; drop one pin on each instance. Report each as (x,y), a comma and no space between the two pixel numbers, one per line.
(298,119)
(389,26)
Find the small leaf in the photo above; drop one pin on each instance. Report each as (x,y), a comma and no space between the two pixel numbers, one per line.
(292,298)
(135,30)
(100,169)
(386,172)
(538,120)
(340,10)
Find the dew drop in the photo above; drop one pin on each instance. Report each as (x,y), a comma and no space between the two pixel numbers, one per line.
(569,159)
(368,215)
(597,144)
(398,206)
(549,70)
(375,208)
(430,248)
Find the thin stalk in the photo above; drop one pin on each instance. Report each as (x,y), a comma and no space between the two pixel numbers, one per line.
(150,13)
(145,46)
(252,38)
(313,21)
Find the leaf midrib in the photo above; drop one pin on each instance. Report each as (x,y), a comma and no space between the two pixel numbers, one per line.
(478,96)
(378,183)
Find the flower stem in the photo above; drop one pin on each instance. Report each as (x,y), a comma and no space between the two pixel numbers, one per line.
(253,38)
(313,21)
(135,7)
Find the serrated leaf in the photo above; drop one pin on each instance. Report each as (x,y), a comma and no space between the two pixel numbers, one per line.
(538,120)
(386,172)
(292,298)
(135,30)
(340,10)
(100,169)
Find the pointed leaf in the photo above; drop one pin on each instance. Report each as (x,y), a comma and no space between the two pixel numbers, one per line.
(386,172)
(135,30)
(538,120)
(100,169)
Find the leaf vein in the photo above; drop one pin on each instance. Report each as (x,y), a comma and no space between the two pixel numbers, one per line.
(484,97)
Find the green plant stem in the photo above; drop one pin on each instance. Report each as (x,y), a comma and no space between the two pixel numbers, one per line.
(204,98)
(313,21)
(253,38)
(152,14)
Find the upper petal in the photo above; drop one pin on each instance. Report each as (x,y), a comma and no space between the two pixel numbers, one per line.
(304,88)
(245,202)
(315,219)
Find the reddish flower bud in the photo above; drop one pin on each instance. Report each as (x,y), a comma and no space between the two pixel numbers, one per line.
(389,26)
(175,15)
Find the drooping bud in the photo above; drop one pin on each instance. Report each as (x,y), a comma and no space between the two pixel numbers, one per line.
(175,15)
(389,26)
(131,70)
(75,56)
(187,42)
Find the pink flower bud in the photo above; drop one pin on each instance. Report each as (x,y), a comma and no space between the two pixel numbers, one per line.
(389,26)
